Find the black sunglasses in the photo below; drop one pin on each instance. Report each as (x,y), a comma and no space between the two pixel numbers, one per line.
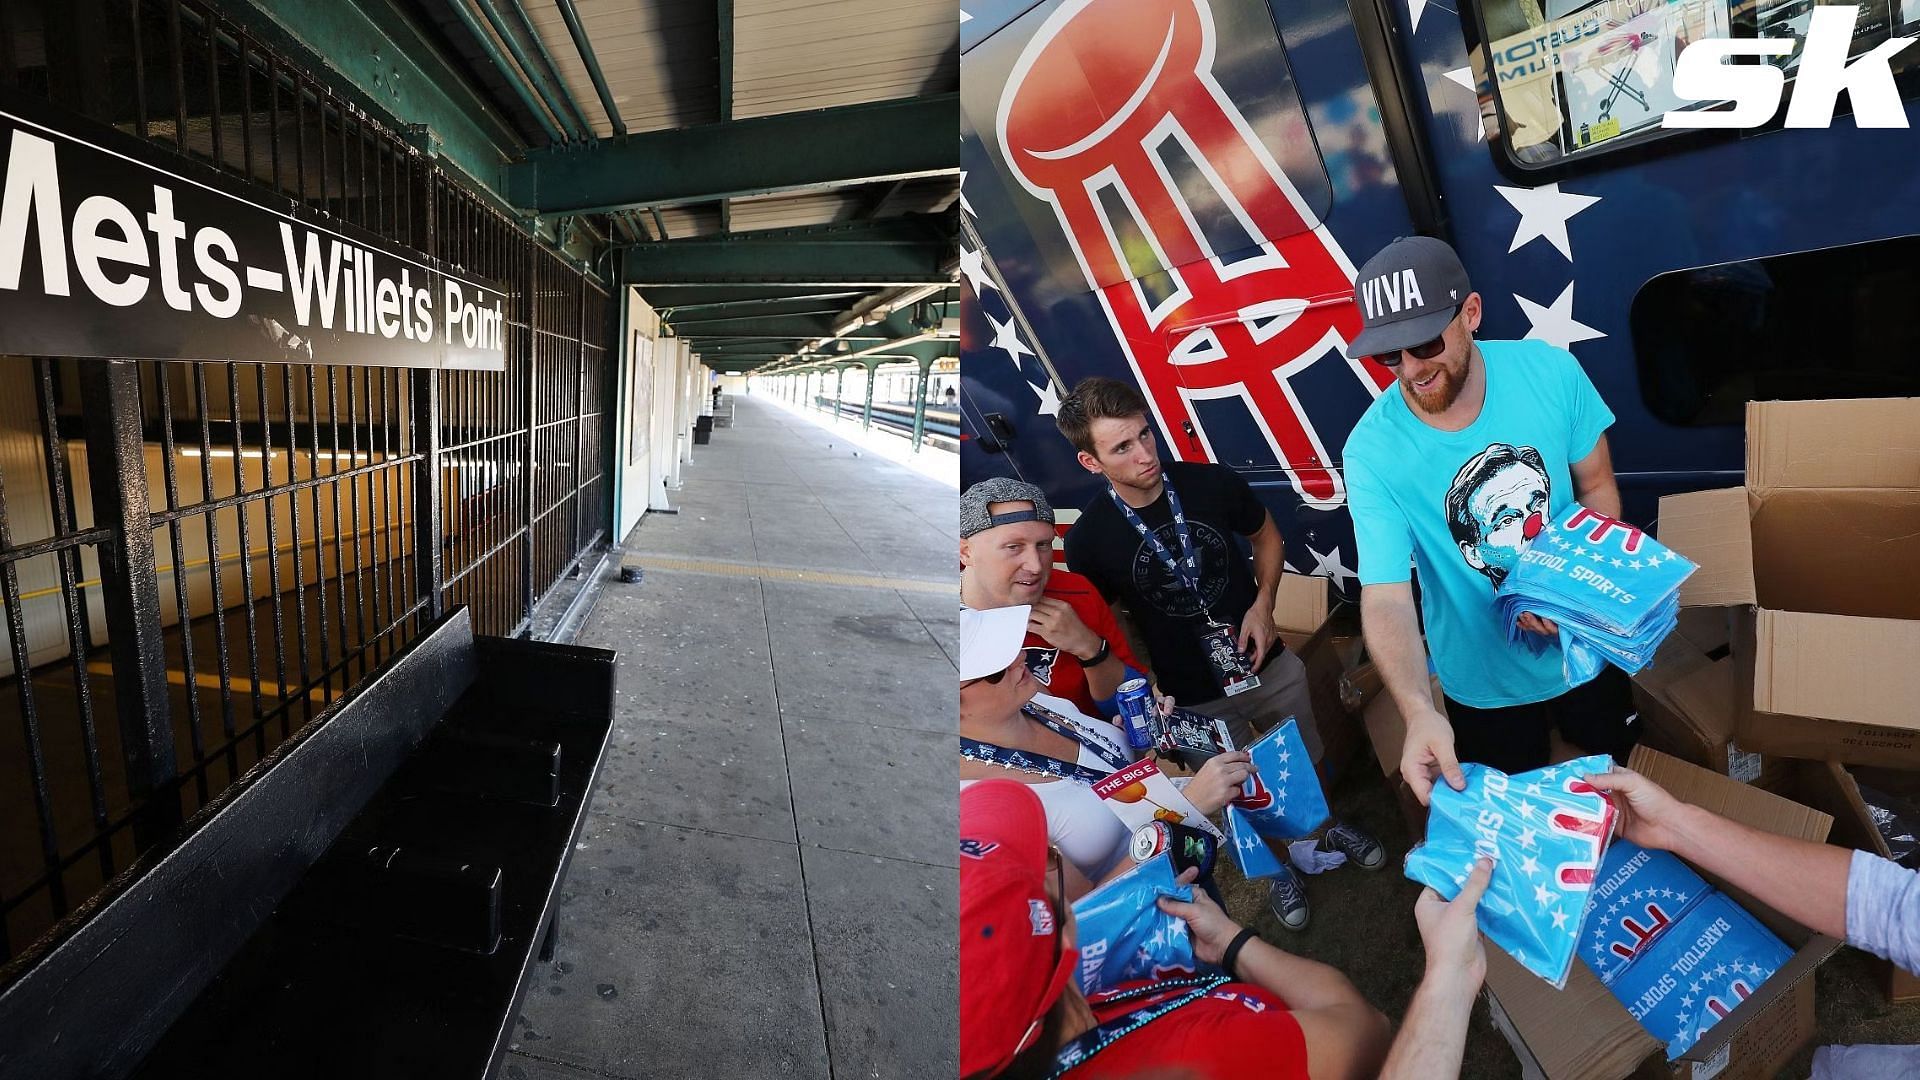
(994,679)
(1426,350)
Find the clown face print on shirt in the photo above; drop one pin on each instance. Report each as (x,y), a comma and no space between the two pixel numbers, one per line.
(1497,503)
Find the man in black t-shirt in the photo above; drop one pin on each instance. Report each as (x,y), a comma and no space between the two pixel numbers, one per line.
(1161,540)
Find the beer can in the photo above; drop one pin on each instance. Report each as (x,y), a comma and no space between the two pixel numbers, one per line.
(1135,700)
(1151,839)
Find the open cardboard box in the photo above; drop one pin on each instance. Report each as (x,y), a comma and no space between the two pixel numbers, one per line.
(1305,614)
(1363,692)
(1688,704)
(1834,788)
(1817,555)
(1584,1033)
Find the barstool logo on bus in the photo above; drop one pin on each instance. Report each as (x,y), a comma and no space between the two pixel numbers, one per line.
(1104,92)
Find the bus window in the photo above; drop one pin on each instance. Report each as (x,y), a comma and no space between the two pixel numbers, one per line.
(1832,323)
(1575,79)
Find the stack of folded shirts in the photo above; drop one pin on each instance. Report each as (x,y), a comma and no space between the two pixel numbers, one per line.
(1614,590)
(1677,953)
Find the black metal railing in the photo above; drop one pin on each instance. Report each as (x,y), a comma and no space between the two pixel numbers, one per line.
(196,559)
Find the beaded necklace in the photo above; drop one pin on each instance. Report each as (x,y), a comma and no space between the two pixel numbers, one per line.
(1081,1050)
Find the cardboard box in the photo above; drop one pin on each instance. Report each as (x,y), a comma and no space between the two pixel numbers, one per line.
(1688,706)
(1304,613)
(1832,787)
(1584,1033)
(1817,556)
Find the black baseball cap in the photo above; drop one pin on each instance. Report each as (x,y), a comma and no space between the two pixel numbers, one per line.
(1407,293)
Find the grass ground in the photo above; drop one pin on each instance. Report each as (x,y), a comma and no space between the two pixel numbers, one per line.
(1363,925)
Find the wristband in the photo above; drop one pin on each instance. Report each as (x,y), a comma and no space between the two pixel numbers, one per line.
(1232,954)
(1098,658)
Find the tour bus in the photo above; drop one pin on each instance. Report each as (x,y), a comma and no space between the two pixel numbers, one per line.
(1178,192)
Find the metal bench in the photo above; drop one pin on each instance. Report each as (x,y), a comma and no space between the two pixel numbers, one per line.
(368,901)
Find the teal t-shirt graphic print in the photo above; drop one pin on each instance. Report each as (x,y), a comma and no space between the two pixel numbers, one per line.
(1461,506)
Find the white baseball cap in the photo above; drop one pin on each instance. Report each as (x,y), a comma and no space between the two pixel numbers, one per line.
(990,639)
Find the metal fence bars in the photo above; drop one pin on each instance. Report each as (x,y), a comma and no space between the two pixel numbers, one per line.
(198,558)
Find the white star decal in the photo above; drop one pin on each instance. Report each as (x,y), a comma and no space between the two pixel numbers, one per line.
(1526,838)
(1464,77)
(1331,566)
(1006,338)
(1543,213)
(1617,564)
(1543,896)
(964,17)
(964,204)
(1525,808)
(1049,398)
(1555,324)
(1415,8)
(1686,1002)
(973,267)
(1578,551)
(1529,865)
(1598,557)
(1635,564)
(1559,919)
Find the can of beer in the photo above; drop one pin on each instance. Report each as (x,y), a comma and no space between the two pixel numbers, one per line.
(1151,839)
(1135,700)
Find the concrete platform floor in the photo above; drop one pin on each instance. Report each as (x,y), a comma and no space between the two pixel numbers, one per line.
(767,883)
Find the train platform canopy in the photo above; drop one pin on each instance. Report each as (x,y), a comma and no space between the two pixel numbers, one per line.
(778,180)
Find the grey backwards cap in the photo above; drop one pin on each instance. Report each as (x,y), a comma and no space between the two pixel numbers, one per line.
(1001,489)
(1408,293)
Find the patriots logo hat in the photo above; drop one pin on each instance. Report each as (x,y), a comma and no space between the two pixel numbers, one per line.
(1009,976)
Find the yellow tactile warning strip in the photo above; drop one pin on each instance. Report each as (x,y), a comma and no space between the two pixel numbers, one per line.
(207,680)
(787,573)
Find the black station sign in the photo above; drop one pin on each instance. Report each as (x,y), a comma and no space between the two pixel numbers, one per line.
(110,246)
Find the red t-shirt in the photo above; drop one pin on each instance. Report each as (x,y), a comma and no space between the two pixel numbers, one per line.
(1060,671)
(1235,1032)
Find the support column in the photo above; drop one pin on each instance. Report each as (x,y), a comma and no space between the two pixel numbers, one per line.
(839,388)
(130,589)
(866,414)
(920,404)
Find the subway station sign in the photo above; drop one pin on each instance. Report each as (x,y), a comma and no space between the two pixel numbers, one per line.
(111,246)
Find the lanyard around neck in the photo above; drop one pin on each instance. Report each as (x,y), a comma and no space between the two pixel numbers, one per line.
(1185,569)
(1081,1050)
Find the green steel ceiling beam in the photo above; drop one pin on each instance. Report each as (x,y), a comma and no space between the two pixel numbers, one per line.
(551,73)
(592,62)
(907,250)
(508,73)
(534,77)
(722,298)
(820,148)
(380,50)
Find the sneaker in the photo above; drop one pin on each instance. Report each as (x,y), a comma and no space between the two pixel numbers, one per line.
(1360,849)
(1288,900)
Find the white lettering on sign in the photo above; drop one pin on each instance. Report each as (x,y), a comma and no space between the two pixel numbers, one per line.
(1702,74)
(103,225)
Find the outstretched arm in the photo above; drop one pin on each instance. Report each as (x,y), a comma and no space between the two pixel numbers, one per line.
(1393,640)
(1433,1038)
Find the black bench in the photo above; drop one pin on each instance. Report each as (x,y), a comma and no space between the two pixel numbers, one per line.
(367,902)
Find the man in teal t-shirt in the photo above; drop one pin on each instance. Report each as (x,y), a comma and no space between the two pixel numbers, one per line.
(1476,447)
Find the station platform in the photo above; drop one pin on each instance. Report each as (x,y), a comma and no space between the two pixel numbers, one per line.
(766,885)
